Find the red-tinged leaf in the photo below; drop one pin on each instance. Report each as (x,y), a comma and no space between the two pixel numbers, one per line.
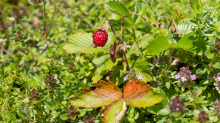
(114,112)
(104,94)
(139,94)
(108,90)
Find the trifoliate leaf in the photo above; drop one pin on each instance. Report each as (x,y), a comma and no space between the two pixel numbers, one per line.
(118,8)
(141,9)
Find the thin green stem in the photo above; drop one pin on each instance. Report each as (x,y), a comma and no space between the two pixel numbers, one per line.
(215,55)
(191,91)
(62,81)
(172,82)
(59,100)
(41,113)
(134,35)
(154,62)
(126,60)
(78,79)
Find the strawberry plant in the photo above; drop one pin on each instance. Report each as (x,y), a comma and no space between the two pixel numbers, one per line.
(94,61)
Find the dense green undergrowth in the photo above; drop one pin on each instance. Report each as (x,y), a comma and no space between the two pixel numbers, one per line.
(48,65)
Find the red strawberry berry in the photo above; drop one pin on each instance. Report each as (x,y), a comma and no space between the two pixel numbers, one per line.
(100,38)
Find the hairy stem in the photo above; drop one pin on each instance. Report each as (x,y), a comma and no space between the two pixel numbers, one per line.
(110,24)
(121,40)
(134,35)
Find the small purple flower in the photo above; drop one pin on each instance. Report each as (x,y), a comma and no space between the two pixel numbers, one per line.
(183,79)
(218,78)
(177,76)
(125,78)
(163,62)
(138,77)
(216,107)
(176,105)
(193,77)
(177,109)
(157,60)
(217,87)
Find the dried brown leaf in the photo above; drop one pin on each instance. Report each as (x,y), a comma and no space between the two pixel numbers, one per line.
(113,51)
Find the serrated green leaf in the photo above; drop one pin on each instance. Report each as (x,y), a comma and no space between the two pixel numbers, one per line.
(104,64)
(118,8)
(185,27)
(82,43)
(141,9)
(141,69)
(141,44)
(193,13)
(144,41)
(191,43)
(163,104)
(112,112)
(104,94)
(157,45)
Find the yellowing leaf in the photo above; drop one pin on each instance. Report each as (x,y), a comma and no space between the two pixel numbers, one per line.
(114,112)
(105,94)
(139,94)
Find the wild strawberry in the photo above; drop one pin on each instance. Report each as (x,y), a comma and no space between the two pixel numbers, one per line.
(100,38)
